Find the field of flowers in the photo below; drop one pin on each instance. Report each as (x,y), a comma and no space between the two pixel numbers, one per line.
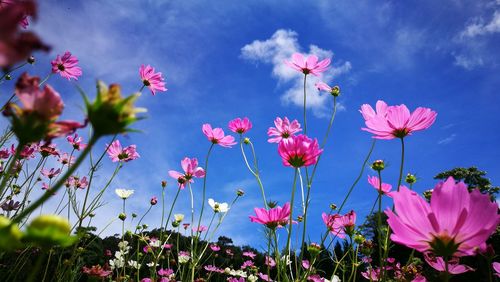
(446,233)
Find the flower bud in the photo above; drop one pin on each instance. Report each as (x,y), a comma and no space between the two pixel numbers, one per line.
(333,207)
(31,60)
(163,183)
(359,239)
(246,141)
(48,230)
(378,165)
(314,249)
(8,77)
(240,192)
(300,218)
(122,216)
(410,178)
(175,224)
(335,91)
(145,226)
(153,201)
(10,235)
(134,215)
(272,204)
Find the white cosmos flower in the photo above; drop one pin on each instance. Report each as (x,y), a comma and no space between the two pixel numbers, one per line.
(179,217)
(124,193)
(218,207)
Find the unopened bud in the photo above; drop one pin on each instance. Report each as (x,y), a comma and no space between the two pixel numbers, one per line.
(134,215)
(163,183)
(246,140)
(300,218)
(333,207)
(410,178)
(335,91)
(359,239)
(31,60)
(122,216)
(378,165)
(240,192)
(8,77)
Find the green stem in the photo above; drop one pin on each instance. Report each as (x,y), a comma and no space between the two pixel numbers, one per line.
(287,249)
(402,162)
(254,173)
(305,99)
(12,70)
(59,183)
(10,166)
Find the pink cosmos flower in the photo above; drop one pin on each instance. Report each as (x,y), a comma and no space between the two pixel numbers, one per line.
(63,128)
(338,224)
(283,130)
(214,247)
(375,182)
(272,218)
(309,65)
(453,264)
(4,153)
(216,136)
(389,122)
(264,277)
(239,125)
(496,267)
(50,173)
(306,264)
(191,169)
(46,103)
(299,151)
(269,261)
(79,183)
(212,268)
(165,272)
(97,271)
(335,91)
(119,154)
(28,151)
(371,274)
(456,222)
(200,229)
(249,254)
(154,81)
(246,264)
(66,159)
(76,141)
(66,66)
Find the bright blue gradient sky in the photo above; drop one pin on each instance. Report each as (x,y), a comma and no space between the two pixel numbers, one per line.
(223,59)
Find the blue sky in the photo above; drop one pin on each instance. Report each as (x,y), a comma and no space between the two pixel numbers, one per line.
(223,59)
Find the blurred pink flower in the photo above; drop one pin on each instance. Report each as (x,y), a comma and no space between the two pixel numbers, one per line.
(299,151)
(239,125)
(200,229)
(456,222)
(76,141)
(214,247)
(154,81)
(375,182)
(371,274)
(50,173)
(389,122)
(246,264)
(66,159)
(67,66)
(97,271)
(191,169)
(309,65)
(496,267)
(249,254)
(4,153)
(216,136)
(46,103)
(453,264)
(119,154)
(272,218)
(269,261)
(283,130)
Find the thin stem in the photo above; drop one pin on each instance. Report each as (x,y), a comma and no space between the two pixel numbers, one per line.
(359,176)
(59,183)
(287,249)
(305,99)
(402,162)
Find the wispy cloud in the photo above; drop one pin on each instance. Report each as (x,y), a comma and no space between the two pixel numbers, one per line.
(280,47)
(478,27)
(447,140)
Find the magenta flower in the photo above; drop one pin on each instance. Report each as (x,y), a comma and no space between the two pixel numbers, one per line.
(79,183)
(283,130)
(50,173)
(66,66)
(165,272)
(389,122)
(249,254)
(239,125)
(272,218)
(455,223)
(46,103)
(119,154)
(371,274)
(214,247)
(453,264)
(216,136)
(340,225)
(191,169)
(309,65)
(76,142)
(246,264)
(269,261)
(375,182)
(97,271)
(154,81)
(200,228)
(213,268)
(299,151)
(496,267)
(66,159)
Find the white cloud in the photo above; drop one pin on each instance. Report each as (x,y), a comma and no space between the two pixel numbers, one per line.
(447,140)
(478,27)
(280,47)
